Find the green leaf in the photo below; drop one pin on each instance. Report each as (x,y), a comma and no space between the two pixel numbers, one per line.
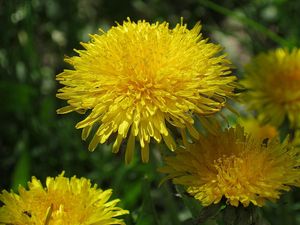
(208,212)
(148,215)
(229,215)
(191,203)
(21,173)
(243,216)
(200,214)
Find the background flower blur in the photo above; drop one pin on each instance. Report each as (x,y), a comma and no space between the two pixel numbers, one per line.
(34,140)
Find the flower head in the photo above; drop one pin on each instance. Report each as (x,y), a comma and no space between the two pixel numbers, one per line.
(234,166)
(62,202)
(273,83)
(138,79)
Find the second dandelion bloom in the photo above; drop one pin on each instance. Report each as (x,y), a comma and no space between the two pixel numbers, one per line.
(272,81)
(138,79)
(234,166)
(62,201)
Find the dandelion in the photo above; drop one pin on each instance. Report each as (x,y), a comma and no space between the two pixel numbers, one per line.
(62,202)
(137,80)
(272,81)
(234,166)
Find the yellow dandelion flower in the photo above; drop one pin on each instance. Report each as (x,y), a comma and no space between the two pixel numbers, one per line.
(234,166)
(257,130)
(138,79)
(273,83)
(62,202)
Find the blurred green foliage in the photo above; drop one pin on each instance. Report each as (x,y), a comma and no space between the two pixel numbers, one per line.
(35,36)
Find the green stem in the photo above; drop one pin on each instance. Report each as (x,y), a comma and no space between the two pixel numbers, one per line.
(246,21)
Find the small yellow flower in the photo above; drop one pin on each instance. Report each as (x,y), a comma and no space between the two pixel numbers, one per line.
(139,79)
(62,202)
(234,166)
(272,81)
(256,130)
